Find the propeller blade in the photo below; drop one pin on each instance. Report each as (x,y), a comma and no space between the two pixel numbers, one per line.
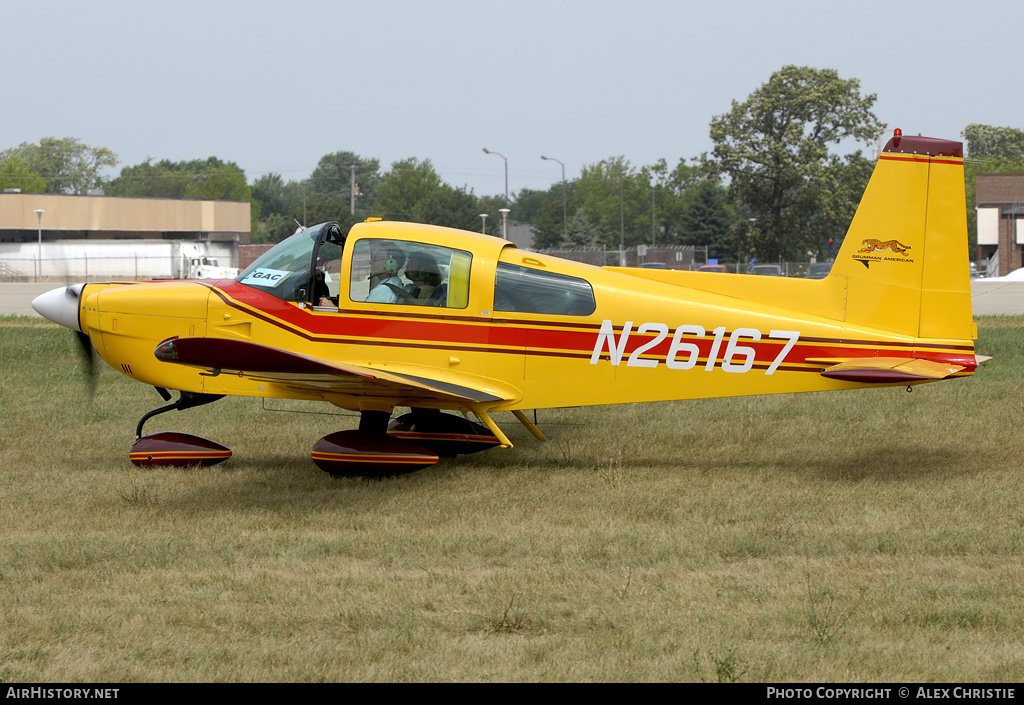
(88,359)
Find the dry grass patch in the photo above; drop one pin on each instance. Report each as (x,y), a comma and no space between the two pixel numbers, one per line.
(865,536)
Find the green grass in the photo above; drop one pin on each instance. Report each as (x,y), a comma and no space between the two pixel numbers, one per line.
(863,536)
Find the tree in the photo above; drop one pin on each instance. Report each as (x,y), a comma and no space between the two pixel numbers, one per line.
(451,207)
(674,192)
(545,210)
(987,142)
(209,178)
(404,187)
(271,195)
(708,219)
(15,173)
(617,200)
(774,148)
(413,191)
(67,165)
(332,179)
(581,232)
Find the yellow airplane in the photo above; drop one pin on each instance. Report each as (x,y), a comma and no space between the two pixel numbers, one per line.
(393,314)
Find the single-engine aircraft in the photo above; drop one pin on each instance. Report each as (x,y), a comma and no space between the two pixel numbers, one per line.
(393,314)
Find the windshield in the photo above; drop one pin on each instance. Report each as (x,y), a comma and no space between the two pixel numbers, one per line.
(283,271)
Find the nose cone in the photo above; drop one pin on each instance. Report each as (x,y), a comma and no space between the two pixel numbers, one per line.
(61,305)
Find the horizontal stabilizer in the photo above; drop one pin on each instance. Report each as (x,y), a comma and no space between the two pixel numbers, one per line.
(888,370)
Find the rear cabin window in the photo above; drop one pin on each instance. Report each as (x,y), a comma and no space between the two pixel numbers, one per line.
(526,290)
(409,273)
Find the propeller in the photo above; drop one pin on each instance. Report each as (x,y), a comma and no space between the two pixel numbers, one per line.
(62,306)
(85,351)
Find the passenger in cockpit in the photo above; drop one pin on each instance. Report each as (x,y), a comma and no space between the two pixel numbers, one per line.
(427,285)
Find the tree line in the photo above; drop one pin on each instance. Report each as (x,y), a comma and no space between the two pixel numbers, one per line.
(774,185)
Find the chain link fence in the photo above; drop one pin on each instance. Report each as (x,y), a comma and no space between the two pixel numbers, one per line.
(667,257)
(85,268)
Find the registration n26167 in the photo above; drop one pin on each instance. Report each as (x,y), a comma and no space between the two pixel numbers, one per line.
(684,352)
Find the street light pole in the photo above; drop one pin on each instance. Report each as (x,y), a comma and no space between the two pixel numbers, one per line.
(505,225)
(504,220)
(565,201)
(483,226)
(39,218)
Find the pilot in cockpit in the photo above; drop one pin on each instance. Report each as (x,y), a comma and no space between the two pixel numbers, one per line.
(386,286)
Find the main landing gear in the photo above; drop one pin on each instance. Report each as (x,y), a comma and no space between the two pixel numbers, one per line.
(378,448)
(410,442)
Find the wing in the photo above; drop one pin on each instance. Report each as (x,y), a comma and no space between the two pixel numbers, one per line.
(888,370)
(304,372)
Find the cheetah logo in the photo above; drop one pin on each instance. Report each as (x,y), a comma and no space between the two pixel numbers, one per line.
(879,246)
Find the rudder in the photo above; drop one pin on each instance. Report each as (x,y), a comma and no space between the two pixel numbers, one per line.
(905,259)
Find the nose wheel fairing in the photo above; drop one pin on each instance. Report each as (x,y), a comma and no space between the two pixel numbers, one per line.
(171,449)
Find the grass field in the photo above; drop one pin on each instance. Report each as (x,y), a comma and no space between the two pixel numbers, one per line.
(862,536)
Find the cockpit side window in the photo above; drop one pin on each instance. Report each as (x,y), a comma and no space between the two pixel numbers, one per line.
(409,273)
(527,290)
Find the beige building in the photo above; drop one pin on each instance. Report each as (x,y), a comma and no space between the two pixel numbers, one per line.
(113,218)
(47,235)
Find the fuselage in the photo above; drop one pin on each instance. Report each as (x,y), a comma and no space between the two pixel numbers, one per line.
(632,338)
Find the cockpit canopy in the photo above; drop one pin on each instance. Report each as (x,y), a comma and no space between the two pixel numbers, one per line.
(284,270)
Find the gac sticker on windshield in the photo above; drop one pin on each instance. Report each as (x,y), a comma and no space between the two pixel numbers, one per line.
(267,278)
(683,354)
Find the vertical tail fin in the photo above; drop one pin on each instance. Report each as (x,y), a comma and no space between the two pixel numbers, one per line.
(905,257)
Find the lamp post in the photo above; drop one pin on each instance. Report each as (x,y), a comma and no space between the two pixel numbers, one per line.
(483,226)
(39,219)
(565,201)
(622,217)
(504,220)
(505,224)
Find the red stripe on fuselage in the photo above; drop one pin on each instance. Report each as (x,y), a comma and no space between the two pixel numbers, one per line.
(545,338)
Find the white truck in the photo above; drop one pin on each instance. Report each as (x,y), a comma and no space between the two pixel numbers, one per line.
(207,268)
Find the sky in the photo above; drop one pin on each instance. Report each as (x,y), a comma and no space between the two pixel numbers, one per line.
(274,86)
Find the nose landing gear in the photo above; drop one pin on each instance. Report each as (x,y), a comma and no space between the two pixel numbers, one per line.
(171,449)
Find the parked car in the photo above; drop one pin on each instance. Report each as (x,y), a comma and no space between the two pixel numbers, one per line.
(713,268)
(975,274)
(654,265)
(767,270)
(818,270)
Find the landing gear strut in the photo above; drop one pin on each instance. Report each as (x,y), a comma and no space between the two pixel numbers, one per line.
(171,449)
